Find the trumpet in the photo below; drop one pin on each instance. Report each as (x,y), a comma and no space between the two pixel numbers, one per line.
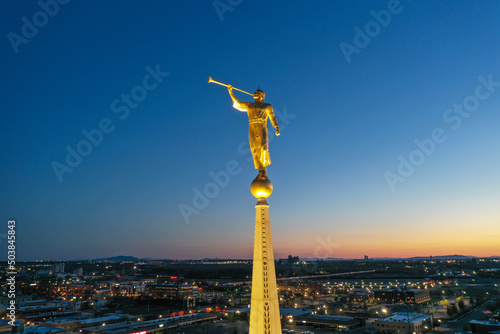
(225,85)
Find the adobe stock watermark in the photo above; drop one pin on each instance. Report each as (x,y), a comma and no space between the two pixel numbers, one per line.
(221,179)
(121,107)
(29,28)
(372,29)
(222,6)
(454,118)
(11,271)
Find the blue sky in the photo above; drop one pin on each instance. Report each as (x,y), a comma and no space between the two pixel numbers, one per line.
(344,124)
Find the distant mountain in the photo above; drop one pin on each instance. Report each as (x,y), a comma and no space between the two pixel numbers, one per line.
(444,257)
(324,259)
(122,258)
(118,258)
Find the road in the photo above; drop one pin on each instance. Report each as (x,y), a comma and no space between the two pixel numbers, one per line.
(455,326)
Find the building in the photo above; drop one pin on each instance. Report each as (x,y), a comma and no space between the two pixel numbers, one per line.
(173,291)
(19,298)
(40,288)
(360,297)
(78,272)
(403,323)
(151,326)
(401,295)
(58,268)
(53,309)
(42,329)
(484,327)
(35,302)
(71,323)
(329,321)
(305,288)
(132,289)
(75,289)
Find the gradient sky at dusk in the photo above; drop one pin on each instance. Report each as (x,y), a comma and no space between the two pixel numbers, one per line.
(344,125)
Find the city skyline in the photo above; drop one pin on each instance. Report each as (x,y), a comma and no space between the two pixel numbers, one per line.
(114,143)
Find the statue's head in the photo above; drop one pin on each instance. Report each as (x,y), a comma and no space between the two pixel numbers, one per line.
(259,95)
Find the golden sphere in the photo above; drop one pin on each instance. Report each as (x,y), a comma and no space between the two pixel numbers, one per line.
(261,187)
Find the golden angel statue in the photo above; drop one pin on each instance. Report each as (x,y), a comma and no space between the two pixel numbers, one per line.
(258,113)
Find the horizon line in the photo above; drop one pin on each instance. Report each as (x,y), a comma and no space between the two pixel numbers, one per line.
(250,259)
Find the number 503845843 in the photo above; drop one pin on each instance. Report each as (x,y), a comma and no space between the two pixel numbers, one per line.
(11,253)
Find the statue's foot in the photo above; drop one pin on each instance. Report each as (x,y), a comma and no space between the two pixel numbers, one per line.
(262,173)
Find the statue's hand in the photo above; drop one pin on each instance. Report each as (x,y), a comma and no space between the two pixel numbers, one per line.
(277,132)
(229,87)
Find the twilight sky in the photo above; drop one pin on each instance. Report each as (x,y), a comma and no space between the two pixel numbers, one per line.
(111,137)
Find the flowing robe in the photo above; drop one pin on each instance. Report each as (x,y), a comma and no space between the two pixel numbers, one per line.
(258,113)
